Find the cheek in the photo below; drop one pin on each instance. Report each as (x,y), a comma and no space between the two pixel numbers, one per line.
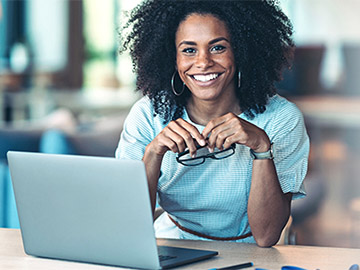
(182,62)
(228,61)
(183,65)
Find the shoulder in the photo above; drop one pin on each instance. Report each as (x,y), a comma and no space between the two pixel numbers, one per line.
(142,116)
(278,104)
(280,116)
(143,107)
(280,110)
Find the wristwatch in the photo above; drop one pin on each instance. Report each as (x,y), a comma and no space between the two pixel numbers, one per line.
(263,155)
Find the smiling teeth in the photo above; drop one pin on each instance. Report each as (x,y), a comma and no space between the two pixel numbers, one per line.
(206,78)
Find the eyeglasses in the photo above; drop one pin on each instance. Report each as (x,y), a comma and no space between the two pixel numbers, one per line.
(202,153)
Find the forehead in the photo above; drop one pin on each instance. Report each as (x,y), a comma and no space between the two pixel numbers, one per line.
(201,27)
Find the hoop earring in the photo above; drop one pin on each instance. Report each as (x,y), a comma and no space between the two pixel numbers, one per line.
(239,80)
(173,85)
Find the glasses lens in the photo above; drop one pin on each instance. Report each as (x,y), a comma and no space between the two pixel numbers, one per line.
(187,160)
(192,162)
(204,151)
(224,153)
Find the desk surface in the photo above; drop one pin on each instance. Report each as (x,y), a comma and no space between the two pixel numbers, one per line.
(12,256)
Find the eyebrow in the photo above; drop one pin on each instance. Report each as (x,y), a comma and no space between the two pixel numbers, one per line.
(210,43)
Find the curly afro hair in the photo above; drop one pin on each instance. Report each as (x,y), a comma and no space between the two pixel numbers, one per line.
(260,39)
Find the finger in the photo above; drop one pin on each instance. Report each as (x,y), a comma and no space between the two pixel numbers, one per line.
(229,141)
(220,135)
(192,130)
(220,126)
(181,136)
(177,134)
(211,125)
(171,140)
(181,128)
(231,122)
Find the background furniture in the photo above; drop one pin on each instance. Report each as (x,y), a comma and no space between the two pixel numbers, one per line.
(13,139)
(351,54)
(304,76)
(98,138)
(333,124)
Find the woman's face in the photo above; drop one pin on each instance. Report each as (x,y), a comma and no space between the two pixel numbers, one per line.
(204,57)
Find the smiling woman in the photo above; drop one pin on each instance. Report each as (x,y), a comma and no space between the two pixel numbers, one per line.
(207,70)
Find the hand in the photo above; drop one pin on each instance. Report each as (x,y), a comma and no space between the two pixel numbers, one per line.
(229,128)
(176,137)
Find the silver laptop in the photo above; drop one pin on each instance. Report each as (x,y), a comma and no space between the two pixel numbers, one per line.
(89,209)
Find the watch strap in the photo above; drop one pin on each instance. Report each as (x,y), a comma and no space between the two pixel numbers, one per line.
(263,155)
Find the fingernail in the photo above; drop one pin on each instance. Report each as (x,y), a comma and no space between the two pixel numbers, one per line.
(202,142)
(211,150)
(193,155)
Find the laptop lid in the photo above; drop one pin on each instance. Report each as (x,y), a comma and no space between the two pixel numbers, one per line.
(89,209)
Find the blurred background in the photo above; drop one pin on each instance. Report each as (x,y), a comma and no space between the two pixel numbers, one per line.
(64,89)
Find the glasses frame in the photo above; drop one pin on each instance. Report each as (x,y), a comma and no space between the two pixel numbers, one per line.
(204,157)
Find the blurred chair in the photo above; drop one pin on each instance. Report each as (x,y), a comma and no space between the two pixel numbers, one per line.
(304,76)
(15,139)
(287,236)
(303,209)
(351,53)
(92,139)
(355,222)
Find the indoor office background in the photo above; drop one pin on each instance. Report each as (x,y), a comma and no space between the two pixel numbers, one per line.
(64,89)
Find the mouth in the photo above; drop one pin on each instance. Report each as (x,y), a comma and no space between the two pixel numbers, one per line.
(205,77)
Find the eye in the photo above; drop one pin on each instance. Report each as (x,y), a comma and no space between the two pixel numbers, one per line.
(218,48)
(189,50)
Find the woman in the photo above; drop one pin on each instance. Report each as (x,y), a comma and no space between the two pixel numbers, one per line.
(207,70)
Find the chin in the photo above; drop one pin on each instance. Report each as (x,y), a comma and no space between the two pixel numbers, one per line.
(205,97)
(206,94)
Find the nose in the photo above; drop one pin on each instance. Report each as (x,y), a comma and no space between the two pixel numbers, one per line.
(204,60)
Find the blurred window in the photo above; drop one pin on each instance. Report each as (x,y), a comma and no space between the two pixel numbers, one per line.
(100,43)
(103,66)
(48,33)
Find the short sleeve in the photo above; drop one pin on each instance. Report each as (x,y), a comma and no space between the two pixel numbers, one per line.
(291,148)
(138,131)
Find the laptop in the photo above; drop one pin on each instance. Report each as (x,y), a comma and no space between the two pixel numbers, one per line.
(90,209)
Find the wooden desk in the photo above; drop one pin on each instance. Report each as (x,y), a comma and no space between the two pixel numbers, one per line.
(12,256)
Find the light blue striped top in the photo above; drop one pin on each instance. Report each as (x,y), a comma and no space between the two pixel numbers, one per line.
(212,198)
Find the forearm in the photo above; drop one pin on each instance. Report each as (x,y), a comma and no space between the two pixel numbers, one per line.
(152,165)
(268,207)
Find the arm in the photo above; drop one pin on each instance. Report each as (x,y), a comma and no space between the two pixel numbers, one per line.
(175,137)
(143,139)
(268,207)
(152,163)
(267,219)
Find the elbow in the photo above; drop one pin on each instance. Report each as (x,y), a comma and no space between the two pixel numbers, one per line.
(266,241)
(266,236)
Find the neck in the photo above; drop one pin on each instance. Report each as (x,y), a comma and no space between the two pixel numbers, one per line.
(203,111)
